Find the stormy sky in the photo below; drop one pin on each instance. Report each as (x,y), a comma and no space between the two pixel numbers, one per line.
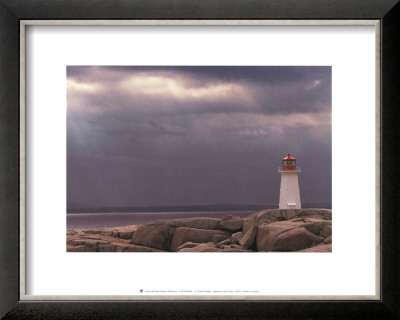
(144,136)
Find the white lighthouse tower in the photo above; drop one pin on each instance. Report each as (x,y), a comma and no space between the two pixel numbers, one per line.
(290,192)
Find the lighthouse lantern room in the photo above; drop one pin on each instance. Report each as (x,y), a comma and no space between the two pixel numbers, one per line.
(289,192)
(288,163)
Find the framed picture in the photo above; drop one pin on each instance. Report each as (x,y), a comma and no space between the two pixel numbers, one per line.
(151,159)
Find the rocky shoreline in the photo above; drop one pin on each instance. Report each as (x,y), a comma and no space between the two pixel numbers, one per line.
(307,230)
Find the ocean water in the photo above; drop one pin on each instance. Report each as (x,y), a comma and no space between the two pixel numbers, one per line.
(118,219)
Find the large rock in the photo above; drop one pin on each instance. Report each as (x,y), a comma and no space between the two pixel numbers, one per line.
(228,217)
(125,232)
(90,237)
(251,223)
(90,248)
(232,225)
(262,217)
(296,239)
(328,240)
(126,247)
(324,213)
(188,245)
(76,248)
(318,225)
(115,233)
(197,223)
(273,215)
(202,247)
(92,242)
(282,214)
(218,237)
(319,248)
(322,228)
(326,231)
(233,248)
(250,226)
(77,242)
(248,238)
(236,237)
(136,248)
(285,236)
(155,236)
(106,248)
(223,243)
(210,247)
(104,231)
(183,234)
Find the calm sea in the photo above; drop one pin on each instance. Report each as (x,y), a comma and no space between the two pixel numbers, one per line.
(118,219)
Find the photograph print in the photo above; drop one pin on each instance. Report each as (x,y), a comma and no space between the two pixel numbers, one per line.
(199,159)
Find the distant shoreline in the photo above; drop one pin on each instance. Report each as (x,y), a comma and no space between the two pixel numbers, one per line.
(152,209)
(188,208)
(114,219)
(167,212)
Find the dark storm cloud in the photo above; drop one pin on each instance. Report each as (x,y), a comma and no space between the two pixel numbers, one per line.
(187,135)
(272,89)
(272,74)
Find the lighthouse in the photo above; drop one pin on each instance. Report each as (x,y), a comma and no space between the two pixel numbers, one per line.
(290,192)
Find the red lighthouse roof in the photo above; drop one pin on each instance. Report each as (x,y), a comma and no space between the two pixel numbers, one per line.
(289,157)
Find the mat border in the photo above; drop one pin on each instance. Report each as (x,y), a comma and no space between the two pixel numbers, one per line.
(12,12)
(26,23)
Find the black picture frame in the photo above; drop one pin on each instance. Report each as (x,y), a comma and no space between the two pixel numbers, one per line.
(12,11)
